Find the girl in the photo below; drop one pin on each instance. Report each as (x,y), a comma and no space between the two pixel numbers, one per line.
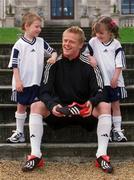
(27,62)
(106,52)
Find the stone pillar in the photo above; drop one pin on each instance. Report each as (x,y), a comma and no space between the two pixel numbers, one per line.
(10,21)
(40,10)
(2,12)
(114,11)
(113,6)
(84,19)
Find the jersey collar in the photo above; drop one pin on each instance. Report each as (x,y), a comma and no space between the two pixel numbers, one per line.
(27,41)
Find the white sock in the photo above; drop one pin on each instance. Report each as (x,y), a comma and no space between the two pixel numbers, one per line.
(117,122)
(103,133)
(20,120)
(36,132)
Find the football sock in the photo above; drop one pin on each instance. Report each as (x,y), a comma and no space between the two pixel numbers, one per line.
(103,133)
(36,132)
(117,122)
(20,120)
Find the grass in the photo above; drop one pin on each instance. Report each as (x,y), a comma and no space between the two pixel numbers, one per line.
(127,35)
(10,35)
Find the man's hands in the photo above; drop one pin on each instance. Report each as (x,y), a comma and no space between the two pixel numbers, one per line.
(56,112)
(75,108)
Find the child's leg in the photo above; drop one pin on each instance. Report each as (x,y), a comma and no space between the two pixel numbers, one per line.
(20,116)
(103,133)
(117,132)
(18,134)
(38,110)
(116,115)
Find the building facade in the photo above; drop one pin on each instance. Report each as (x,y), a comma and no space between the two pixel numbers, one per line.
(64,12)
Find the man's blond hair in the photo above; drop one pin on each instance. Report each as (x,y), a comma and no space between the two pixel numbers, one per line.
(77,30)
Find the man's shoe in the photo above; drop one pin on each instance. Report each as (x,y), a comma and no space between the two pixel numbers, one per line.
(32,163)
(75,109)
(118,136)
(104,163)
(17,137)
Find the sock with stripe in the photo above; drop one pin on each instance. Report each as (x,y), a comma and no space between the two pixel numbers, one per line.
(103,133)
(36,133)
(117,122)
(20,121)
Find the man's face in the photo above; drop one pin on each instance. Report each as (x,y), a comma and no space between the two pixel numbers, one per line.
(71,45)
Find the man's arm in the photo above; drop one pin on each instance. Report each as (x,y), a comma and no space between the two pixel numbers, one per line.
(96,87)
(47,93)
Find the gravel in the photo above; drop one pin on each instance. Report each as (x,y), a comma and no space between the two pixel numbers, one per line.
(11,170)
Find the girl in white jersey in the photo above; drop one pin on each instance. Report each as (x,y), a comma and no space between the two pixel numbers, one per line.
(106,52)
(27,62)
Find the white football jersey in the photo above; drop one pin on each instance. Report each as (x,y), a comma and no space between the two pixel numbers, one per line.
(28,57)
(108,56)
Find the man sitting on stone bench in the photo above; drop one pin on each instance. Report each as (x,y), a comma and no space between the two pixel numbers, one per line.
(70,88)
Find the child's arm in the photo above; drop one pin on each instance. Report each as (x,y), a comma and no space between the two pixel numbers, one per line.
(19,84)
(114,81)
(92,61)
(52,59)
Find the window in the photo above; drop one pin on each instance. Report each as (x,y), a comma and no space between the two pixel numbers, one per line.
(62,9)
(127,6)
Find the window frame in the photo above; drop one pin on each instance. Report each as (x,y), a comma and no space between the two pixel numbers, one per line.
(62,11)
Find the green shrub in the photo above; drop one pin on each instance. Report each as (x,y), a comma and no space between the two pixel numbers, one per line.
(127,34)
(9,35)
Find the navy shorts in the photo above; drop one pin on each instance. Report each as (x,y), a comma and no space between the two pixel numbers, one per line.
(114,94)
(27,97)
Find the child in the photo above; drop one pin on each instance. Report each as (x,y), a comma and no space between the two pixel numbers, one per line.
(27,62)
(106,52)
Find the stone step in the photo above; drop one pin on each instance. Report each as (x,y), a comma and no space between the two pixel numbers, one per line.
(128,75)
(130,92)
(6,76)
(72,152)
(130,61)
(54,33)
(5,49)
(128,48)
(66,134)
(4,59)
(7,112)
(5,94)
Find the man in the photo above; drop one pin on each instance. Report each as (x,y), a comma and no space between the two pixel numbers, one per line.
(71,79)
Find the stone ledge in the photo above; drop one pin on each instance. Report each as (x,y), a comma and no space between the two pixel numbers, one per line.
(61,152)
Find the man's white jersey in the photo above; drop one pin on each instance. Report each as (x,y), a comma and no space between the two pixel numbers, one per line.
(28,57)
(108,56)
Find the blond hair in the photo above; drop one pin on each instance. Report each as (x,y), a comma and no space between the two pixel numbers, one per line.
(29,18)
(76,30)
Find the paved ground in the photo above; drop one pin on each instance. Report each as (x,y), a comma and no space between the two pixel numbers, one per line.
(11,170)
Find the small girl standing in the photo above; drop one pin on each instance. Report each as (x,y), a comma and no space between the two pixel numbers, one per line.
(27,62)
(106,52)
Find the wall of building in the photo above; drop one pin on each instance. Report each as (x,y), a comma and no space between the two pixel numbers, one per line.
(91,9)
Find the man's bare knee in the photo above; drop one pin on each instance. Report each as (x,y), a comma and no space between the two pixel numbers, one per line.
(102,108)
(39,108)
